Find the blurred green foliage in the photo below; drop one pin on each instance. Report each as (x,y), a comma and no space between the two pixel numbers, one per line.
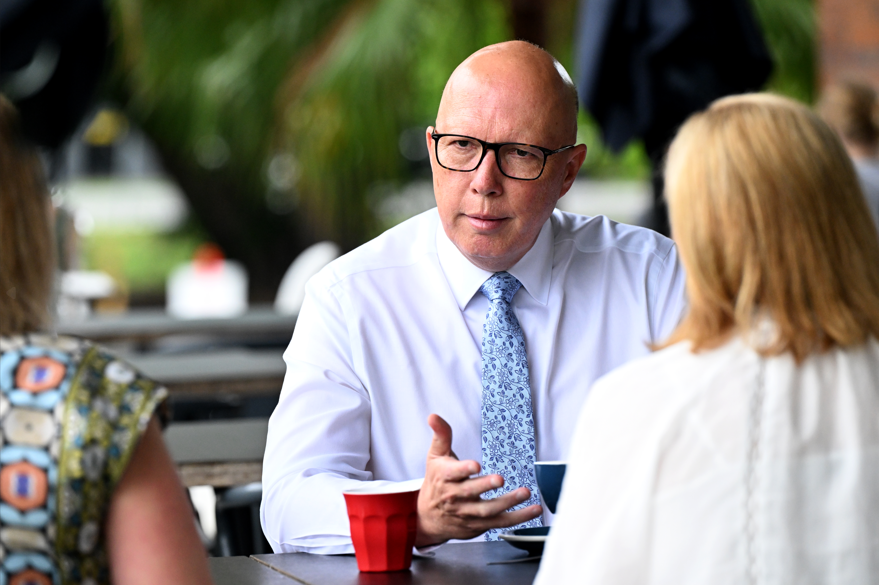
(789,29)
(140,260)
(290,112)
(602,163)
(303,101)
(381,71)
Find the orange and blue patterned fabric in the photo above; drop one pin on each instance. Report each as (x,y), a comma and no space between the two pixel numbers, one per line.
(71,415)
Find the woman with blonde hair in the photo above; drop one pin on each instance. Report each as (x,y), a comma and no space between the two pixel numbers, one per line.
(746,449)
(88,493)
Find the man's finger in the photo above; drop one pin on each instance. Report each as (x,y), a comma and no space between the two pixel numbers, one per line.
(441,445)
(476,508)
(515,517)
(456,471)
(504,519)
(475,487)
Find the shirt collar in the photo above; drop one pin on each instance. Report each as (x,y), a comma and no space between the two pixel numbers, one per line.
(534,270)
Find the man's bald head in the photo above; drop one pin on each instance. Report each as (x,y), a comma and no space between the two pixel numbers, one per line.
(523,70)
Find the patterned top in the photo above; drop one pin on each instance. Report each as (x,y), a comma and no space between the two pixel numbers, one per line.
(71,415)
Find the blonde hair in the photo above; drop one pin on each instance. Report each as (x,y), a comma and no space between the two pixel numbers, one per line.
(770,222)
(852,109)
(27,256)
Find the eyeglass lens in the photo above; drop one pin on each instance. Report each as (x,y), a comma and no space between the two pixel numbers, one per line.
(460,153)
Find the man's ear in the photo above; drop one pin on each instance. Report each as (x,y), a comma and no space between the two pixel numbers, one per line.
(429,140)
(572,167)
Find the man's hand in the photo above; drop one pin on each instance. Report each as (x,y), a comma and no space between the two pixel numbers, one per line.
(449,505)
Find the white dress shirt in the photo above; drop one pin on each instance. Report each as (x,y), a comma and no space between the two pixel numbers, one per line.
(392,332)
(682,473)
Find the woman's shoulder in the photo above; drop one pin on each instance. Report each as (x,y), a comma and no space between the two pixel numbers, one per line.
(33,342)
(674,373)
(677,380)
(670,363)
(41,370)
(71,415)
(74,353)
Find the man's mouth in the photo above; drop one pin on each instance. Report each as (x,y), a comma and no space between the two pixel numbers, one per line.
(485,222)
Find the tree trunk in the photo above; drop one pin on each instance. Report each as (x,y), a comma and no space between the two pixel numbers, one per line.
(528,19)
(238,220)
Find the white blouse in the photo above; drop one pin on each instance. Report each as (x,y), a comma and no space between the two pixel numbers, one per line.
(722,467)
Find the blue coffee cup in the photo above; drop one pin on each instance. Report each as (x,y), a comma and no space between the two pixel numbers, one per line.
(549,481)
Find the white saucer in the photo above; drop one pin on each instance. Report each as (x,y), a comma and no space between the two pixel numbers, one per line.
(527,539)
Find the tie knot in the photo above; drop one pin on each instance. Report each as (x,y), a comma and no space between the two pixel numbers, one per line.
(501,286)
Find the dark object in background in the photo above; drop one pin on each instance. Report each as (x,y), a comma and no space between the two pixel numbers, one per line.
(53,54)
(239,532)
(643,66)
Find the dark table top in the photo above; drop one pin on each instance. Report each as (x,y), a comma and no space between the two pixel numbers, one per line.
(245,571)
(217,371)
(454,564)
(145,325)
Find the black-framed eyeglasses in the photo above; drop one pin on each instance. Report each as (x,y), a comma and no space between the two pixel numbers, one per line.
(515,160)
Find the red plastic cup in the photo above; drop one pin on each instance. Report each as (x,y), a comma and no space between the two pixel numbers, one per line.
(383,526)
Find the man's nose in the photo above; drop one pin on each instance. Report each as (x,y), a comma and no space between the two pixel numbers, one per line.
(487,176)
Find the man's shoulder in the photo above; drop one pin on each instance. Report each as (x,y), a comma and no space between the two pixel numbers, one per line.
(400,246)
(598,234)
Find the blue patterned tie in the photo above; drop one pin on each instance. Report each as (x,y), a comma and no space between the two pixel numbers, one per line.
(507,420)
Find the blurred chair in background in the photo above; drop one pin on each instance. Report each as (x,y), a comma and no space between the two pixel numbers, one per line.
(291,292)
(238,529)
(851,108)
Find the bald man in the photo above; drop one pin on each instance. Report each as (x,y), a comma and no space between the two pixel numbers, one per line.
(490,315)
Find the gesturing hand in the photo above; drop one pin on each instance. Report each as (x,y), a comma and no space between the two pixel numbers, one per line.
(449,505)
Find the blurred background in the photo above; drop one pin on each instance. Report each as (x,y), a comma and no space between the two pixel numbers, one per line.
(197,148)
(269,125)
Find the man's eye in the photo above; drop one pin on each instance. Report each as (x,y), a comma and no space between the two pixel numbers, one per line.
(464,144)
(522,153)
